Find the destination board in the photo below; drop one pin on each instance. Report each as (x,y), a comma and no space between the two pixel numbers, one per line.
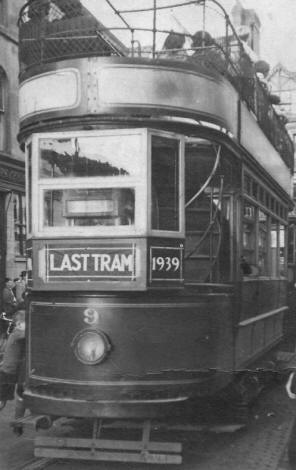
(77,263)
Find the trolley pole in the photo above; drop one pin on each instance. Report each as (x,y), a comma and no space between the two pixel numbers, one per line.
(154,29)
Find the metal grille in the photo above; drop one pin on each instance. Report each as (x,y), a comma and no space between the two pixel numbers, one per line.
(59,30)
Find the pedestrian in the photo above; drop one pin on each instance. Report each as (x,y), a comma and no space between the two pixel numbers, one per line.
(20,287)
(9,302)
(13,368)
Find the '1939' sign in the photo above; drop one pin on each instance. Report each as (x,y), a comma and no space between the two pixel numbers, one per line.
(166,263)
(91,263)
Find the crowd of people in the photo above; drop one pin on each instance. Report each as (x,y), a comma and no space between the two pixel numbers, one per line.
(238,63)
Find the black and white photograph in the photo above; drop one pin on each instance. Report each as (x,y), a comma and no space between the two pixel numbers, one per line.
(147,234)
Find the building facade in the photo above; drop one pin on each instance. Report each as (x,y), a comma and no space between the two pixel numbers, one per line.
(12,168)
(247,24)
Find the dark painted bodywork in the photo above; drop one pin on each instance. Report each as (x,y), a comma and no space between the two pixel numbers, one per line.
(163,351)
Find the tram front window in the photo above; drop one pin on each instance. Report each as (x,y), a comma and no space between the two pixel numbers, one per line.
(90,180)
(104,156)
(89,207)
(165,183)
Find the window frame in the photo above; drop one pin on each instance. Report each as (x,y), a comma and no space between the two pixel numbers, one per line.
(274,208)
(3,13)
(167,233)
(4,110)
(141,184)
(19,224)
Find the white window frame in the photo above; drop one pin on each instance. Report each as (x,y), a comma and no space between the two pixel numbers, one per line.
(141,184)
(40,185)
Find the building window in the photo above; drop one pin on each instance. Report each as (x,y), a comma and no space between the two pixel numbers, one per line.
(19,224)
(3,108)
(2,12)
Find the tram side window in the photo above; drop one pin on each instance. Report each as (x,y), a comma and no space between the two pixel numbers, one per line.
(262,244)
(207,244)
(278,249)
(291,243)
(249,233)
(283,251)
(165,184)
(274,248)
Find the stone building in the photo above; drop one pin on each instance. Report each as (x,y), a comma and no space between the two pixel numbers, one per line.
(247,24)
(12,168)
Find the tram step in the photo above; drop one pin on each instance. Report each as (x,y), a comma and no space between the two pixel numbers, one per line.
(109,450)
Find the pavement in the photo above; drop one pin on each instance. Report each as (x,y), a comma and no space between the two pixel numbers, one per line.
(14,451)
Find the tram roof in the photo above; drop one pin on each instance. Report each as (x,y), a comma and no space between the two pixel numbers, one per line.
(55,30)
(144,22)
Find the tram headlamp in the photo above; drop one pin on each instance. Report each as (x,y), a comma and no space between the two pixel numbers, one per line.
(91,346)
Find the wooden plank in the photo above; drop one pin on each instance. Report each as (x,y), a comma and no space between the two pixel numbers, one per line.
(43,441)
(146,457)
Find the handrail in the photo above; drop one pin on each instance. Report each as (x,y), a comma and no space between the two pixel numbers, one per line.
(208,180)
(211,223)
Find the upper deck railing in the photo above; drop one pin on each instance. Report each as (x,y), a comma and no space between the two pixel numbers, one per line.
(56,30)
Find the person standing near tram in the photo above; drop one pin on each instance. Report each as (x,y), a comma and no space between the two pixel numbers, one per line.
(12,370)
(9,302)
(20,287)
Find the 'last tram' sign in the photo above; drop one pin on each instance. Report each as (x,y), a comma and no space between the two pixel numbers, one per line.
(89,263)
(156,265)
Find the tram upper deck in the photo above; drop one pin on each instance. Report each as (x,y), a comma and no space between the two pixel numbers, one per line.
(75,65)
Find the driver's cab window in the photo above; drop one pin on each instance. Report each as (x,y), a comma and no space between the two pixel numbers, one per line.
(95,181)
(165,184)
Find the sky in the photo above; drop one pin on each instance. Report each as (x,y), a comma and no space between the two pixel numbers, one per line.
(278,23)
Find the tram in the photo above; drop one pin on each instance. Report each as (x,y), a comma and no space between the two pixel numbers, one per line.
(158,180)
